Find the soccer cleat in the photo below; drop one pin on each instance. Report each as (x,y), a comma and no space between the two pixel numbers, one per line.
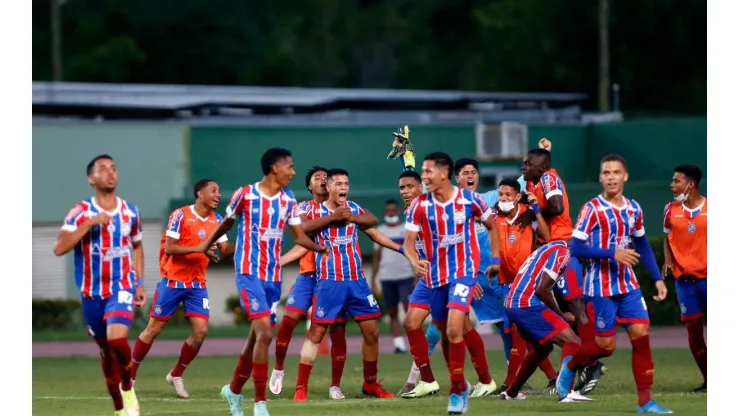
(130,402)
(550,389)
(652,407)
(407,388)
(526,388)
(590,378)
(702,388)
(119,413)
(301,395)
(422,389)
(179,386)
(455,404)
(335,393)
(260,409)
(466,397)
(505,396)
(482,390)
(565,379)
(376,390)
(502,388)
(235,401)
(276,382)
(576,396)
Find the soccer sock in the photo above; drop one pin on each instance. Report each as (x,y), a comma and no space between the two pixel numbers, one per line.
(547,368)
(528,367)
(698,346)
(432,336)
(418,345)
(304,372)
(587,334)
(457,367)
(587,354)
(141,349)
(259,378)
(338,353)
(518,352)
(446,351)
(370,371)
(413,374)
(241,374)
(122,352)
(505,338)
(642,368)
(187,354)
(474,343)
(109,364)
(285,332)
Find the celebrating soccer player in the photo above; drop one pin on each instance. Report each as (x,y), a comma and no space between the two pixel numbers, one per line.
(183,271)
(105,233)
(685,247)
(263,210)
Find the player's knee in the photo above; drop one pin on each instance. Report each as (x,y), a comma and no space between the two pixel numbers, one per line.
(316,333)
(264,337)
(608,345)
(370,334)
(454,332)
(199,334)
(638,330)
(309,350)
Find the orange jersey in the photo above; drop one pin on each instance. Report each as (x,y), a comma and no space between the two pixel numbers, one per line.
(189,229)
(516,245)
(307,264)
(687,237)
(550,184)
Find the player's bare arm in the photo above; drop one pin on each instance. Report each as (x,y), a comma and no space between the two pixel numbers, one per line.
(171,248)
(377,255)
(67,240)
(382,239)
(293,254)
(365,220)
(493,239)
(555,206)
(544,292)
(222,229)
(226,248)
(138,266)
(409,250)
(542,229)
(668,255)
(300,238)
(311,226)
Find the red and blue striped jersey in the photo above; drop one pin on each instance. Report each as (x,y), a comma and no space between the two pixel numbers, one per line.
(345,262)
(104,257)
(604,225)
(552,259)
(447,230)
(259,234)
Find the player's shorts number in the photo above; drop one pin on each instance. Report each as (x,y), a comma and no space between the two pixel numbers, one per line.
(125,297)
(561,283)
(371,300)
(273,308)
(205,304)
(461,290)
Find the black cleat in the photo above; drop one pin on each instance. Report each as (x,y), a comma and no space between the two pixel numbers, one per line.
(702,388)
(550,390)
(592,375)
(502,388)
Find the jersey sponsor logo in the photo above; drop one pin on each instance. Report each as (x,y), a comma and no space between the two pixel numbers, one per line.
(451,240)
(109,253)
(342,240)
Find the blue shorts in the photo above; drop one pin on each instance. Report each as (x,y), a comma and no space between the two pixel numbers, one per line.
(301,294)
(396,291)
(626,309)
(166,299)
(538,324)
(456,295)
(420,295)
(489,309)
(257,297)
(99,313)
(692,296)
(570,286)
(335,300)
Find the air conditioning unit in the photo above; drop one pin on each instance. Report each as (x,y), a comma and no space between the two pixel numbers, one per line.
(505,140)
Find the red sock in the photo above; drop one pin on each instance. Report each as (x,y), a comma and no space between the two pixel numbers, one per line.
(338,353)
(474,343)
(587,354)
(457,367)
(370,371)
(516,356)
(446,351)
(642,368)
(529,366)
(698,346)
(304,372)
(587,332)
(241,374)
(259,378)
(285,332)
(141,349)
(187,354)
(122,352)
(109,364)
(547,368)
(420,352)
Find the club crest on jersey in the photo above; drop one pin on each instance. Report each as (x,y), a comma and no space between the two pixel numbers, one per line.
(631,221)
(291,300)
(459,217)
(320,312)
(158,310)
(255,305)
(683,309)
(270,210)
(111,228)
(692,228)
(512,238)
(125,228)
(202,233)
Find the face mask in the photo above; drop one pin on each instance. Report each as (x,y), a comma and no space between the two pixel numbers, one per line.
(682,197)
(391,220)
(506,206)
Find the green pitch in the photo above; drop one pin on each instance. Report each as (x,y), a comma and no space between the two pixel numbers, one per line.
(74,386)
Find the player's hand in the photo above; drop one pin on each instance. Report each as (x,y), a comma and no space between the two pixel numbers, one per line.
(140,298)
(324,251)
(211,253)
(666,267)
(626,256)
(101,219)
(662,291)
(492,270)
(420,267)
(569,318)
(342,213)
(477,291)
(531,198)
(545,144)
(525,220)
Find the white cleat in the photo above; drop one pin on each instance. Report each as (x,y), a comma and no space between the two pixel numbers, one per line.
(504,396)
(335,393)
(422,389)
(130,402)
(179,386)
(276,382)
(575,396)
(482,390)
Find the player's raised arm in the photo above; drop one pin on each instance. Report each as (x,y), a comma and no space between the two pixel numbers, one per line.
(293,254)
(76,226)
(541,225)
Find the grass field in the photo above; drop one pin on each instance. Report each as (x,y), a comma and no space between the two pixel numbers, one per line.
(74,387)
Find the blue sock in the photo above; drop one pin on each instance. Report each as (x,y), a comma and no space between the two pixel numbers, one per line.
(432,335)
(505,338)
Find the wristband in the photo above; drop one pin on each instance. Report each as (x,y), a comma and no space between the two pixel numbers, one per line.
(535,207)
(400,249)
(496,261)
(139,281)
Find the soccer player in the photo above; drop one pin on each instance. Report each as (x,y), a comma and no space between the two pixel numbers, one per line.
(685,248)
(105,233)
(263,210)
(607,226)
(183,280)
(444,218)
(301,294)
(342,288)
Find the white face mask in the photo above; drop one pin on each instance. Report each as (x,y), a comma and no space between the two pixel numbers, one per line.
(391,220)
(506,206)
(682,197)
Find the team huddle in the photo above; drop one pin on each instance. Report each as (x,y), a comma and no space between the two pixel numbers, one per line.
(512,255)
